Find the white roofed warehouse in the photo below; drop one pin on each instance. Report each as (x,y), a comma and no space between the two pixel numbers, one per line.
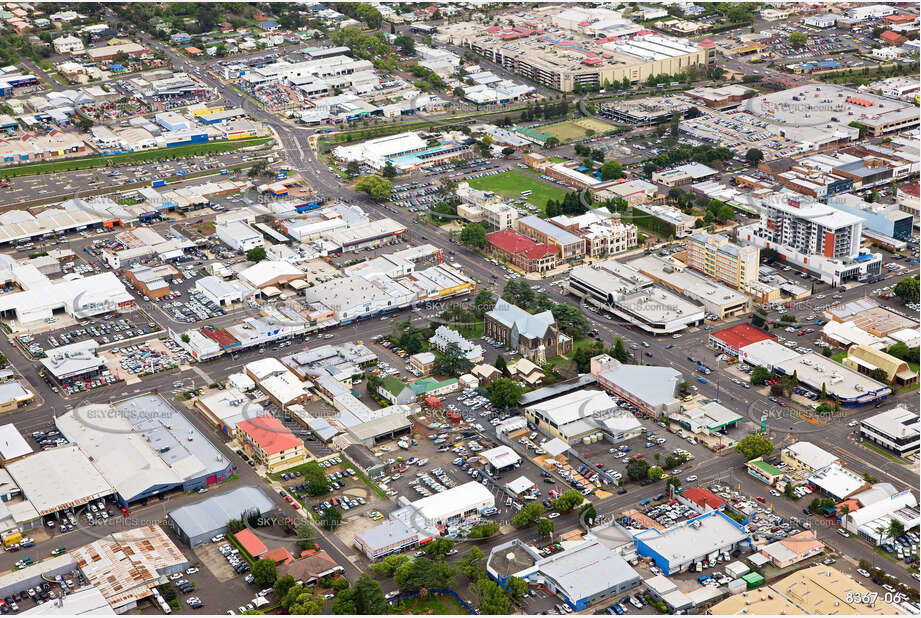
(197,523)
(456,503)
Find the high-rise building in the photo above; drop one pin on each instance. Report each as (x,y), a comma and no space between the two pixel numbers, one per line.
(813,237)
(721,259)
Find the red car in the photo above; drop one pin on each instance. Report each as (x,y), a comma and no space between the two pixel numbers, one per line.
(759,498)
(296,506)
(124,511)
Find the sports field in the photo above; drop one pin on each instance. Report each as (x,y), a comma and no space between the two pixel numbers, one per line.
(572,130)
(513,182)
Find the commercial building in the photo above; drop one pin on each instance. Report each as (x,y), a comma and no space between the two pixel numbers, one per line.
(309,568)
(405,151)
(867,314)
(126,566)
(871,521)
(651,389)
(885,219)
(271,444)
(239,236)
(846,334)
(807,456)
(569,176)
(719,258)
(522,252)
(898,430)
(157,449)
(587,574)
(811,591)
(684,175)
(571,247)
(763,471)
(724,97)
(581,415)
(850,387)
(536,337)
(14,395)
(700,539)
(466,500)
(501,459)
(716,298)
(12,445)
(500,216)
(643,112)
(731,340)
(622,290)
(534,50)
(390,537)
(58,479)
(867,359)
(838,482)
(197,523)
(709,419)
(701,499)
(816,238)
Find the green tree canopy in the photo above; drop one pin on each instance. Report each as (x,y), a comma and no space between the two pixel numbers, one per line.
(474,235)
(754,445)
(256,254)
(263,572)
(504,393)
(375,186)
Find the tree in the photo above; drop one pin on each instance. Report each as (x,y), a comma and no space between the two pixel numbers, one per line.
(551,142)
(896,528)
(368,596)
(388,565)
(331,518)
(473,235)
(675,123)
(759,376)
(483,531)
(264,573)
(416,574)
(184,337)
(439,548)
(619,351)
(907,290)
(352,169)
(637,469)
(798,40)
(519,293)
(405,44)
(611,170)
(673,481)
(502,365)
(655,473)
(517,586)
(544,527)
(504,393)
(375,186)
(389,170)
(587,513)
(528,514)
(754,445)
(754,156)
(452,361)
(256,254)
(567,501)
(493,600)
(880,375)
(315,477)
(508,151)
(282,586)
(306,535)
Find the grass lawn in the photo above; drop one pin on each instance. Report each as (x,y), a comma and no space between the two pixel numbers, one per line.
(884,453)
(157,154)
(910,387)
(840,356)
(513,182)
(440,605)
(572,130)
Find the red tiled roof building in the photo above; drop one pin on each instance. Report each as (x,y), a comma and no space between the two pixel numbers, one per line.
(522,252)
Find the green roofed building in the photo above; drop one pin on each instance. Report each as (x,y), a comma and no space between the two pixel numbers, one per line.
(753,580)
(763,471)
(393,390)
(430,387)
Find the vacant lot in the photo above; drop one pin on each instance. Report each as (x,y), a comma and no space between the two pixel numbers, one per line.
(512,183)
(573,130)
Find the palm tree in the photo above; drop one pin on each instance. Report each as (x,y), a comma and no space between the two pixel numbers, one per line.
(896,529)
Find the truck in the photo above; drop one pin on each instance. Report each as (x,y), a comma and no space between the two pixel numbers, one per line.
(12,539)
(158,183)
(704,369)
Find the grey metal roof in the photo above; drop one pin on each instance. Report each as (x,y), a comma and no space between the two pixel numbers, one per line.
(385,534)
(587,570)
(556,389)
(528,325)
(653,385)
(213,513)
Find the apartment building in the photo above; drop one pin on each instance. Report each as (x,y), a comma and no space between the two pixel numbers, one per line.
(814,237)
(721,259)
(270,443)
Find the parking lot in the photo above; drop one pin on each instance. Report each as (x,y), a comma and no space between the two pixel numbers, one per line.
(126,325)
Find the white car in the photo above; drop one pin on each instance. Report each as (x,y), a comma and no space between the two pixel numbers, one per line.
(553,515)
(691,478)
